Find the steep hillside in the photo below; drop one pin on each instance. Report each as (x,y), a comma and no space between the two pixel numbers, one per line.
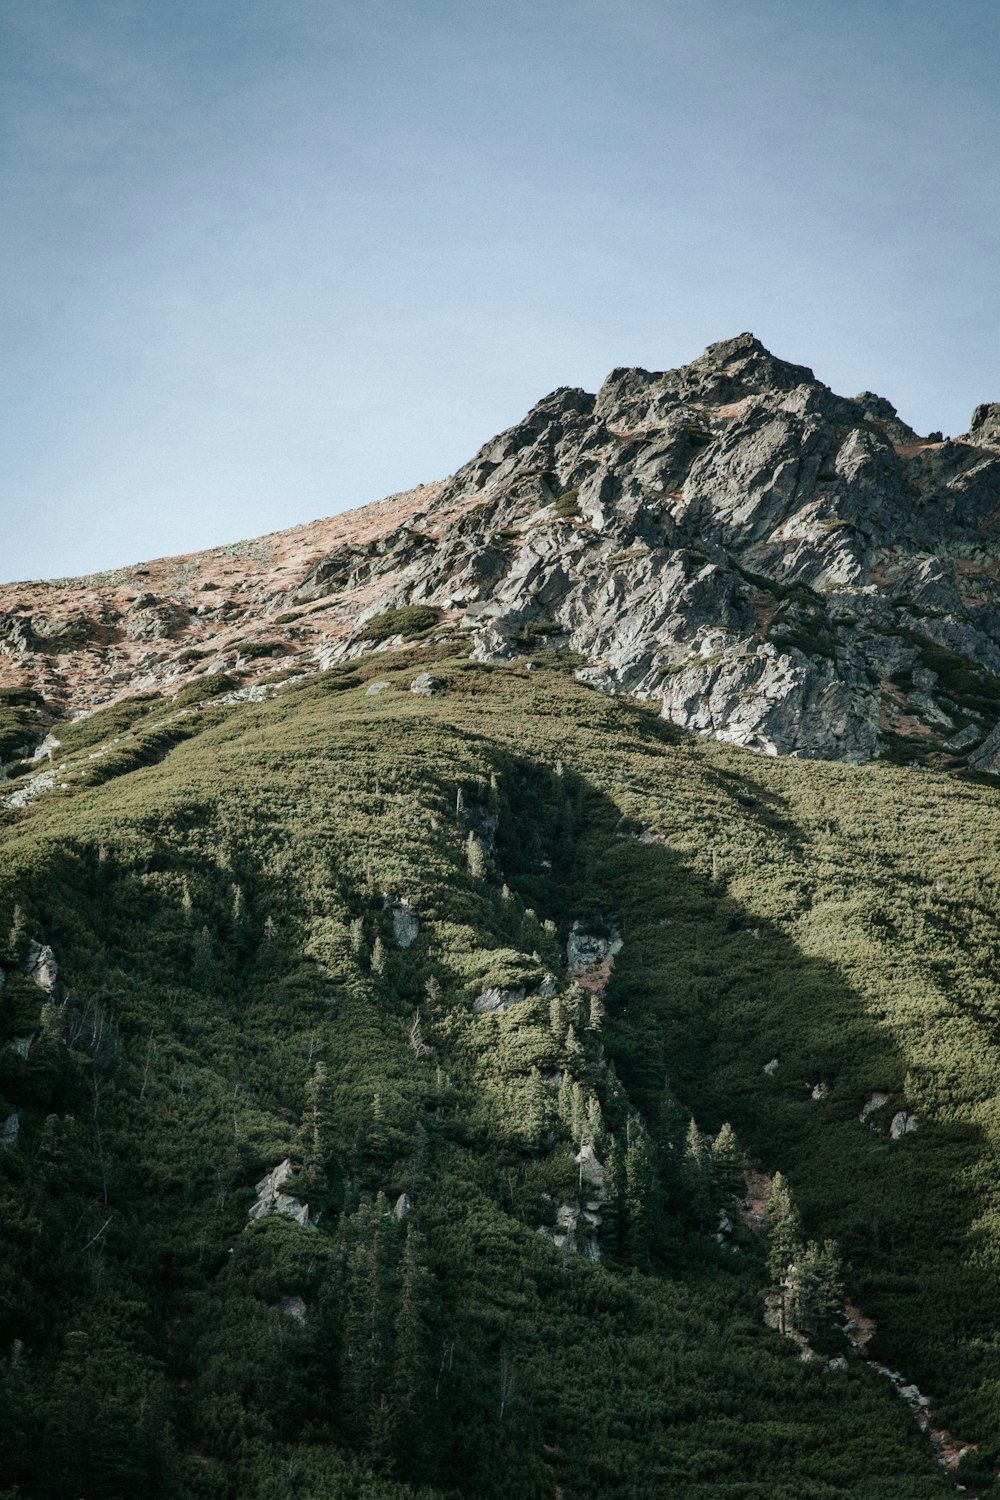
(775,565)
(350,1150)
(423,1075)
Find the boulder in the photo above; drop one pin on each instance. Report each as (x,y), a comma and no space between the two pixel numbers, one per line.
(41,967)
(405,922)
(591,1170)
(585,948)
(425,685)
(272,1199)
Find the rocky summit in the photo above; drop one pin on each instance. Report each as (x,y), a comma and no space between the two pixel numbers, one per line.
(783,568)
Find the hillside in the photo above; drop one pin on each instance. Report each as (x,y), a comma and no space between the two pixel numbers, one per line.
(424,1075)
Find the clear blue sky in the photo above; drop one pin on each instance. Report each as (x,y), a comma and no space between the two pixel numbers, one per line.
(261,260)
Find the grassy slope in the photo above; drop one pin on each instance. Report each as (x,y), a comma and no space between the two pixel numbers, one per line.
(216,915)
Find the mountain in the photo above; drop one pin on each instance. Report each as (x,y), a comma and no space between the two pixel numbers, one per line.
(424,1076)
(776,565)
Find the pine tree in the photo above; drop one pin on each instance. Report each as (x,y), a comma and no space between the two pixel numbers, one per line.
(366,1325)
(475,857)
(378,958)
(816,1288)
(784,1240)
(535,1112)
(613,1209)
(578,1113)
(17,936)
(640,1175)
(595,1123)
(566,1101)
(697,1173)
(728,1182)
(411,1376)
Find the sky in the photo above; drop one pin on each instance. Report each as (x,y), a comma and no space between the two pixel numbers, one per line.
(264,261)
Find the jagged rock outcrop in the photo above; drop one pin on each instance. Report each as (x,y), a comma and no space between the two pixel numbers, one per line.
(272,1198)
(776,565)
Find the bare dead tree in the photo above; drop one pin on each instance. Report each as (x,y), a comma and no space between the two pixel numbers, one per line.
(444,1364)
(416,1039)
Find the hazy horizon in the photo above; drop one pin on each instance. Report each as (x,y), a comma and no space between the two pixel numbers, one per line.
(261,266)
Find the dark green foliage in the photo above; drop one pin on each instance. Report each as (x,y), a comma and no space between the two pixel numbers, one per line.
(20,712)
(411,621)
(223,917)
(251,650)
(566,506)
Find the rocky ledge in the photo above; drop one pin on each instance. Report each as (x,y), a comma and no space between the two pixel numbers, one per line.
(778,566)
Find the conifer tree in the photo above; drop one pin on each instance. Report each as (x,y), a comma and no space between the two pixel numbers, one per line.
(475,858)
(640,1174)
(697,1172)
(727,1168)
(784,1240)
(411,1376)
(613,1209)
(535,1113)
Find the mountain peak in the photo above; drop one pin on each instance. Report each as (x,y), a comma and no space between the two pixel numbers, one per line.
(774,564)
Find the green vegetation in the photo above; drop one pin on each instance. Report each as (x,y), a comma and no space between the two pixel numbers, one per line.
(238,996)
(412,622)
(20,710)
(566,506)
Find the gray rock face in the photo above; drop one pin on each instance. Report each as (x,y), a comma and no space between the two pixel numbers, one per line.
(493,1002)
(405,922)
(773,564)
(781,567)
(584,948)
(41,967)
(985,425)
(272,1198)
